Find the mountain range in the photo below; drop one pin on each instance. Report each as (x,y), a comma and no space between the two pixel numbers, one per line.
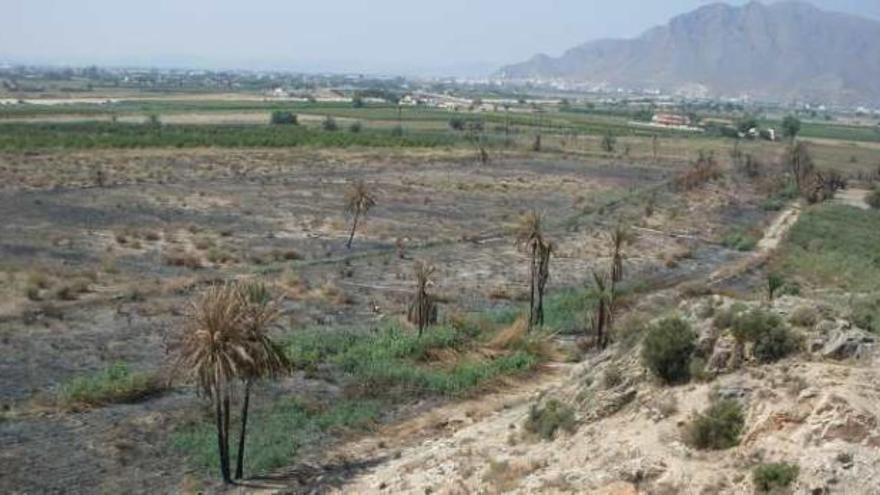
(783,51)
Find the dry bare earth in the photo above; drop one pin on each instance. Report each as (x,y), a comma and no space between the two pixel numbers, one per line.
(273,211)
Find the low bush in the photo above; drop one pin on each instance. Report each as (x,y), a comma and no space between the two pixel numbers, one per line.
(280,117)
(804,316)
(776,344)
(776,476)
(667,349)
(546,421)
(612,376)
(718,428)
(116,384)
(329,124)
(873,199)
(748,326)
(772,338)
(866,313)
(724,319)
(740,240)
(698,370)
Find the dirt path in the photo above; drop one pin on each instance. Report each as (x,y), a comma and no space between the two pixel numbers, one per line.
(773,236)
(395,458)
(856,198)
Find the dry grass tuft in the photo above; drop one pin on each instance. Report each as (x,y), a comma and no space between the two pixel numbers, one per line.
(510,337)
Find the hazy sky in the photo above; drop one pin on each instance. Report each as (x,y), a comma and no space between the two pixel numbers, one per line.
(401,36)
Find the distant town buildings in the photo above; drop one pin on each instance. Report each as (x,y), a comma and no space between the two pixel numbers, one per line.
(670,119)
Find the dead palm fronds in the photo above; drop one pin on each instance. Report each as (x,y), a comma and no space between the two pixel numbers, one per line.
(620,236)
(358,201)
(530,238)
(423,309)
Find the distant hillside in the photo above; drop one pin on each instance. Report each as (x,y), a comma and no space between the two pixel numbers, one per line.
(785,50)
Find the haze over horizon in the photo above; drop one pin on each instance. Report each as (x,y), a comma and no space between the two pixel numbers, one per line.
(455,37)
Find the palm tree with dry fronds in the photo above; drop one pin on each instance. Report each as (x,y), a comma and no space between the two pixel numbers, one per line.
(604,307)
(213,351)
(423,309)
(358,201)
(225,341)
(530,238)
(620,236)
(267,359)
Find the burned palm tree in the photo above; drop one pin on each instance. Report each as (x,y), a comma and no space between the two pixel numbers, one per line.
(225,341)
(800,164)
(358,201)
(475,135)
(619,237)
(267,359)
(530,238)
(545,249)
(213,351)
(602,315)
(423,309)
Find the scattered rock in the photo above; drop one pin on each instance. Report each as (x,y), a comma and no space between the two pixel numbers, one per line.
(847,344)
(722,355)
(640,470)
(706,340)
(733,393)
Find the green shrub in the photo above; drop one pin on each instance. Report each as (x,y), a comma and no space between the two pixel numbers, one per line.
(697,370)
(612,376)
(740,240)
(773,340)
(724,319)
(667,349)
(546,421)
(776,344)
(804,316)
(776,476)
(280,117)
(355,127)
(873,199)
(719,427)
(116,384)
(866,313)
(329,124)
(748,326)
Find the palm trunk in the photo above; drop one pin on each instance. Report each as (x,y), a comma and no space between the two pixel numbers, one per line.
(222,443)
(353,228)
(532,272)
(239,462)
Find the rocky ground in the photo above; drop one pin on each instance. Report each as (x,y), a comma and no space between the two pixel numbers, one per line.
(817,410)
